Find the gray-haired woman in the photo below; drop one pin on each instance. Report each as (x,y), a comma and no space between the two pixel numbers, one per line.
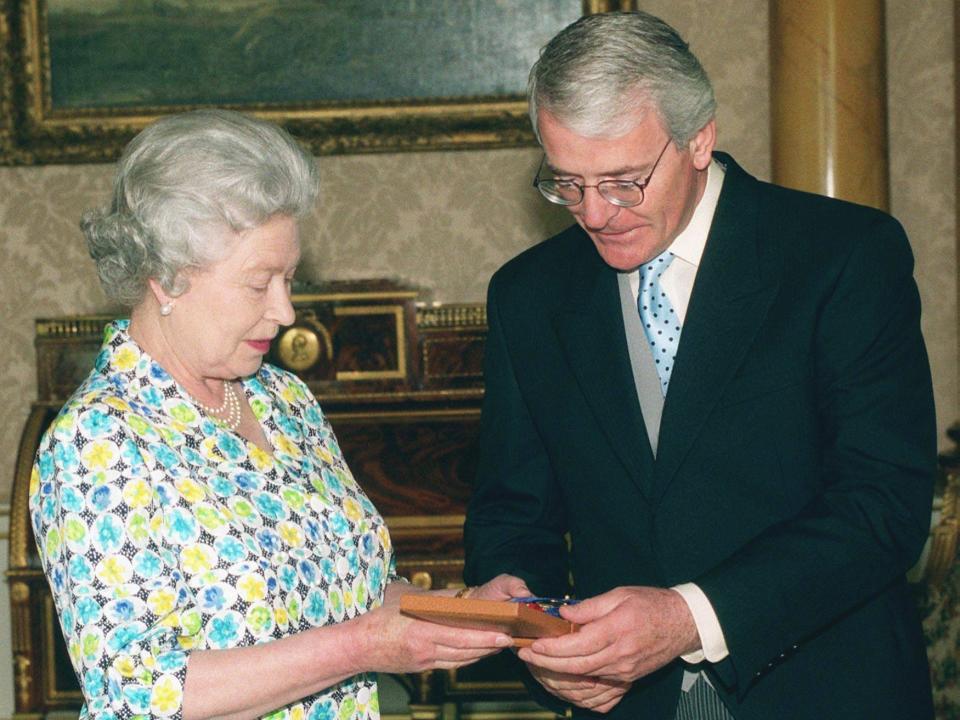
(209,552)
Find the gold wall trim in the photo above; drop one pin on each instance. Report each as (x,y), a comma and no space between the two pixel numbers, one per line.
(5,513)
(68,327)
(424,521)
(472,315)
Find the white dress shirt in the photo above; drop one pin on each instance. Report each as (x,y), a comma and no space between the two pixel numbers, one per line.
(677,282)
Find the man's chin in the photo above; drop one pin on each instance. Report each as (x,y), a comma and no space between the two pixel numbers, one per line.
(621,259)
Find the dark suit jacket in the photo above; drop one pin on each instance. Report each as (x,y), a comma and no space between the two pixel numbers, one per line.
(797,449)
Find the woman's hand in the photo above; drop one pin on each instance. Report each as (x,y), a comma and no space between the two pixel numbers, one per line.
(387,641)
(502,587)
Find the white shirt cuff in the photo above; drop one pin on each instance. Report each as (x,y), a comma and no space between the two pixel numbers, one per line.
(713,646)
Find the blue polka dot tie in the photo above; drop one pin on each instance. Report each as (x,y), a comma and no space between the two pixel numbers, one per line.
(659,320)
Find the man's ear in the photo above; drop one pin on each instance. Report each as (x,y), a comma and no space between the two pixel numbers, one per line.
(701,145)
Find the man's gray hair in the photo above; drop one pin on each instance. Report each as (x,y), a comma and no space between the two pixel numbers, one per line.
(600,72)
(181,184)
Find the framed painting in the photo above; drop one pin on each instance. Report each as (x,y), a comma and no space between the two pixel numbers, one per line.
(79,77)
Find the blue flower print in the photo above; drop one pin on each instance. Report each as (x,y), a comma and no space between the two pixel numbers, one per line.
(71,499)
(315,607)
(224,629)
(138,698)
(159,374)
(270,505)
(167,457)
(108,533)
(181,526)
(224,487)
(122,610)
(247,481)
(340,524)
(171,661)
(193,457)
(97,424)
(130,454)
(102,359)
(102,498)
(93,680)
(307,571)
(312,530)
(45,465)
(230,549)
(375,578)
(113,687)
(288,426)
(58,579)
(146,564)
(66,457)
(312,416)
(368,545)
(212,598)
(79,569)
(269,540)
(288,578)
(88,611)
(152,397)
(328,569)
(353,561)
(332,481)
(229,446)
(323,710)
(122,635)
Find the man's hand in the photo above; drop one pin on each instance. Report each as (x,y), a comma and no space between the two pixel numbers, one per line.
(590,693)
(625,634)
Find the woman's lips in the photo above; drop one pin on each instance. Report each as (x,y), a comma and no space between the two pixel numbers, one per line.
(261,346)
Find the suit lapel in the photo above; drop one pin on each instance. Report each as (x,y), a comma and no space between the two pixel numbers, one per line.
(591,334)
(730,299)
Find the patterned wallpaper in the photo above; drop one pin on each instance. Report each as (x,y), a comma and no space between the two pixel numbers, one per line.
(445,221)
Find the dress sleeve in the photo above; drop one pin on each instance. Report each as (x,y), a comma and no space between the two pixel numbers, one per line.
(125,609)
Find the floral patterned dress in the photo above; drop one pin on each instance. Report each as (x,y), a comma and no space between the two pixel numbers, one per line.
(161,532)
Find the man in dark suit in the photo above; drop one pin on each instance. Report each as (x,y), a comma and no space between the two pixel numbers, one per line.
(709,404)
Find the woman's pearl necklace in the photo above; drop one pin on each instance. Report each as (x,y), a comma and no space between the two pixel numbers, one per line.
(231,405)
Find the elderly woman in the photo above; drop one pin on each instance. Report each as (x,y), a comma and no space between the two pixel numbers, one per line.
(209,552)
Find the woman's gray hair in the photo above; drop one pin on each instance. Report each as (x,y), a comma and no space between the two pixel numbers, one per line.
(184,181)
(599,72)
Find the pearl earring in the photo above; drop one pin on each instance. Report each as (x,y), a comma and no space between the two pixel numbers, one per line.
(166,309)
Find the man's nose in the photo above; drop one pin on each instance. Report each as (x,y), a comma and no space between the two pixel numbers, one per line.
(595,210)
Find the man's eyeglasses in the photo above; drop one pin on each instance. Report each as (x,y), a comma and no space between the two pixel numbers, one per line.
(622,193)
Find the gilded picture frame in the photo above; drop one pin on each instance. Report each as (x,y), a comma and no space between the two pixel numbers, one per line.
(63,62)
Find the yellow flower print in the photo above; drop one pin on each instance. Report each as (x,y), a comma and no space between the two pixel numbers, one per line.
(384,536)
(197,558)
(251,588)
(284,445)
(99,455)
(34,481)
(171,621)
(52,543)
(116,403)
(114,570)
(352,509)
(125,665)
(124,358)
(190,491)
(211,518)
(208,448)
(325,454)
(296,712)
(167,696)
(288,394)
(137,493)
(280,615)
(291,533)
(260,458)
(161,601)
